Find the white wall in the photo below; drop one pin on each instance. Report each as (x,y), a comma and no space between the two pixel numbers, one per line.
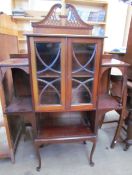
(5,6)
(42,5)
(117,12)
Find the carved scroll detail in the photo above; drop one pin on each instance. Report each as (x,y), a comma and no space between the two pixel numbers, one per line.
(71,19)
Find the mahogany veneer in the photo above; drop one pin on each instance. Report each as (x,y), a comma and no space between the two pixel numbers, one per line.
(64,62)
(20,105)
(113,93)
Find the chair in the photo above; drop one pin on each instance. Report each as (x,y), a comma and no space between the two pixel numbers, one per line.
(128,140)
(113,93)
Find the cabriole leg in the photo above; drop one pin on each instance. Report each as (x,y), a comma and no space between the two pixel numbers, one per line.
(91,154)
(38,156)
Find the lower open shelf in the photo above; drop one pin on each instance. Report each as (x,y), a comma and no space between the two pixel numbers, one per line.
(73,129)
(65,132)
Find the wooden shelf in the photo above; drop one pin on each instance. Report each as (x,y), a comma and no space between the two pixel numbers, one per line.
(7,25)
(108,102)
(14,62)
(88,2)
(113,63)
(27,18)
(34,16)
(95,23)
(20,105)
(65,133)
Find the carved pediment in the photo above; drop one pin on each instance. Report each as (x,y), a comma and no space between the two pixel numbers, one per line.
(69,21)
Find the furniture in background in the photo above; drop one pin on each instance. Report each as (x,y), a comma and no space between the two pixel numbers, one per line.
(8,45)
(128,58)
(113,93)
(128,140)
(24,12)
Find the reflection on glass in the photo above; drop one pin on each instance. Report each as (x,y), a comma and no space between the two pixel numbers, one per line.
(48,72)
(49,90)
(83,58)
(82,90)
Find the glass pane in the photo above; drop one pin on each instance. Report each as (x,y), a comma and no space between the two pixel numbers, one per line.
(83,58)
(49,90)
(49,72)
(82,90)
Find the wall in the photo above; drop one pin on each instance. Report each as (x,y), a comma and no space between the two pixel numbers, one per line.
(117,12)
(5,6)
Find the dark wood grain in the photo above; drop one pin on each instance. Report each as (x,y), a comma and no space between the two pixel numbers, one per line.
(20,105)
(50,30)
(107,102)
(65,132)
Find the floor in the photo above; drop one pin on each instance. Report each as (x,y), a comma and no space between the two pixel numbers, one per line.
(71,159)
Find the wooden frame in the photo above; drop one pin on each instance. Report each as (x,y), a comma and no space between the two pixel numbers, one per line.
(98,43)
(8,45)
(38,107)
(107,102)
(52,23)
(61,29)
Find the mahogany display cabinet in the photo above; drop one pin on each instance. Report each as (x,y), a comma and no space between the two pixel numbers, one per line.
(64,64)
(58,92)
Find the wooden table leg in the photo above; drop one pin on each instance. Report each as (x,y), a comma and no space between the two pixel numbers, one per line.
(91,154)
(37,147)
(128,140)
(118,129)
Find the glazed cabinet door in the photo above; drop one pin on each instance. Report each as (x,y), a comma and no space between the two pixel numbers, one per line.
(83,70)
(48,73)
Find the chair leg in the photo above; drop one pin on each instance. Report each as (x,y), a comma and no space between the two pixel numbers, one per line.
(128,141)
(84,142)
(126,146)
(37,146)
(91,154)
(117,133)
(101,121)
